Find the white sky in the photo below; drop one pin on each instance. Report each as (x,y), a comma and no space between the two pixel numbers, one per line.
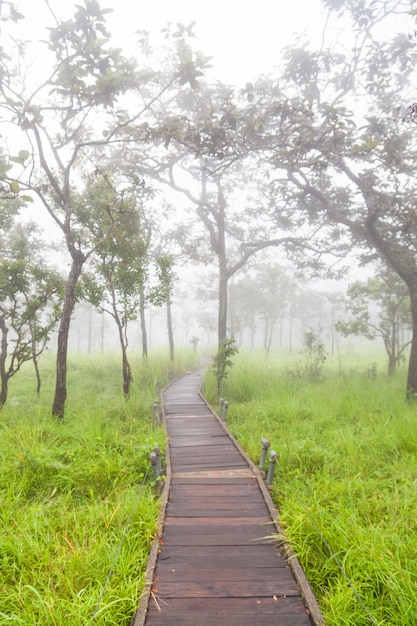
(244,38)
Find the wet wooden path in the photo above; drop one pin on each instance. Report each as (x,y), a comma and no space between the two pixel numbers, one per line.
(216,561)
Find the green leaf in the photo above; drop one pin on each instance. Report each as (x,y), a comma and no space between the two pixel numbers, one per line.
(14,187)
(23,155)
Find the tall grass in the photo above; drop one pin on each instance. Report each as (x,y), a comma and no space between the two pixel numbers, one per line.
(78,508)
(346,483)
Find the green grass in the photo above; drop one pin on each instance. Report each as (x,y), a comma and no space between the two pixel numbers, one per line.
(346,481)
(78,506)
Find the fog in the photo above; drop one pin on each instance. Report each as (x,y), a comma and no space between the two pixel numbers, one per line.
(244,42)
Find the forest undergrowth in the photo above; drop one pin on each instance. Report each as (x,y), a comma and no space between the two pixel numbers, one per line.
(346,480)
(79,506)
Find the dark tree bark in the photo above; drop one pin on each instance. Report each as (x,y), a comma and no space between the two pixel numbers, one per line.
(3,355)
(142,309)
(170,330)
(412,365)
(58,407)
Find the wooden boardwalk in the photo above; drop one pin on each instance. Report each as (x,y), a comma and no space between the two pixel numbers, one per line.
(216,561)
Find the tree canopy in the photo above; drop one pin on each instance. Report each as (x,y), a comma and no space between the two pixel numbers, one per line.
(313,160)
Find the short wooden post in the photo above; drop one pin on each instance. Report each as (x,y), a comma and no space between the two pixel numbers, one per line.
(265,445)
(225,407)
(158,454)
(273,458)
(155,460)
(156,415)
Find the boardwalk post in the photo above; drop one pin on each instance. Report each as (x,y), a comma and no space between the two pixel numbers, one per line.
(158,454)
(221,407)
(273,458)
(265,445)
(225,407)
(156,412)
(156,463)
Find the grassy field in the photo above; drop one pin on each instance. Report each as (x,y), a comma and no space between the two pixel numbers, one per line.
(346,481)
(78,503)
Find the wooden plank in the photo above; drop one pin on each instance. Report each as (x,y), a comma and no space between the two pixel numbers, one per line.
(240,508)
(195,431)
(211,619)
(223,538)
(217,490)
(229,606)
(185,573)
(194,479)
(255,555)
(213,497)
(207,463)
(263,524)
(226,589)
(214,455)
(184,444)
(266,611)
(201,450)
(235,612)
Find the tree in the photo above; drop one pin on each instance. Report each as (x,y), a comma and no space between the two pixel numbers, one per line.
(222,361)
(119,260)
(274,289)
(389,295)
(344,163)
(162,293)
(209,157)
(263,294)
(30,298)
(82,104)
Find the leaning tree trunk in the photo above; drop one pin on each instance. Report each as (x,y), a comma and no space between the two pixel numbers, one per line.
(127,372)
(412,364)
(222,321)
(58,407)
(143,324)
(4,379)
(122,330)
(170,330)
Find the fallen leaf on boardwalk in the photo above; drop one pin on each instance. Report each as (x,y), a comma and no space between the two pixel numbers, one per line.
(172,570)
(275,598)
(154,590)
(156,601)
(258,602)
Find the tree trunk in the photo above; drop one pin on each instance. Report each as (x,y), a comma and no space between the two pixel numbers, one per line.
(90,330)
(143,324)
(392,363)
(121,329)
(412,364)
(58,407)
(127,372)
(222,321)
(392,351)
(170,331)
(37,372)
(3,356)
